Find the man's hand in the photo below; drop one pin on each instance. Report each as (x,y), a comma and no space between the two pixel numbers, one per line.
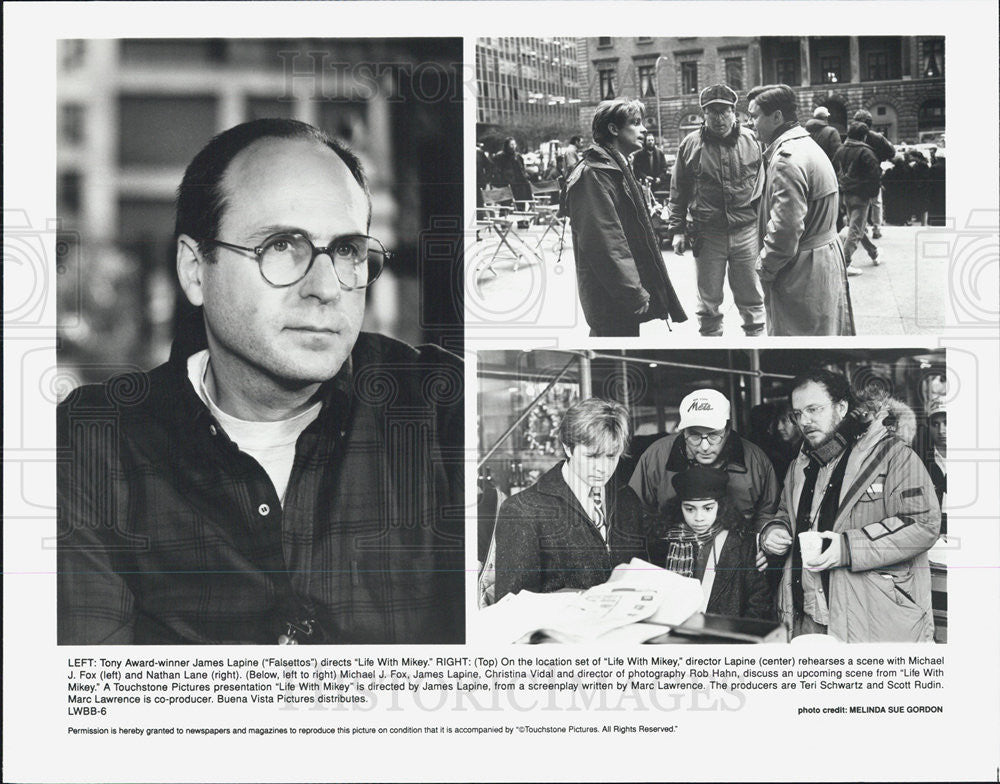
(763,274)
(679,244)
(831,557)
(776,541)
(642,309)
(761,561)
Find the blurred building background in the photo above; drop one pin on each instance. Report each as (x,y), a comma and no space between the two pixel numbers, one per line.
(527,87)
(523,394)
(899,79)
(132,113)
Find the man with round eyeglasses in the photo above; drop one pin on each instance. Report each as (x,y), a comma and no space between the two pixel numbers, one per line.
(869,506)
(284,478)
(705,437)
(716,184)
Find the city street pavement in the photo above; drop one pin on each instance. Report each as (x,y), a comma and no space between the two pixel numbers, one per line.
(894,298)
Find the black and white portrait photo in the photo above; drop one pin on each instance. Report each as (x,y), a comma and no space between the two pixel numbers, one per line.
(253,233)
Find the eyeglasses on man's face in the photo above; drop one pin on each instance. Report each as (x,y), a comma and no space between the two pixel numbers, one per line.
(286,258)
(810,411)
(714,438)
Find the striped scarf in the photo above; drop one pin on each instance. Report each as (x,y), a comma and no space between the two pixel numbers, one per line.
(684,548)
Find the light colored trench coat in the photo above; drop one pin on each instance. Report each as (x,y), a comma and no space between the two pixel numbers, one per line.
(801,262)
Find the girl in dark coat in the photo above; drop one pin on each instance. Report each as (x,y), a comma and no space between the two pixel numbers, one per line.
(707,539)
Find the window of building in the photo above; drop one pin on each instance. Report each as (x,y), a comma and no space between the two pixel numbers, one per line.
(164,130)
(647,81)
(830,70)
(259,107)
(932,60)
(885,121)
(173,50)
(930,115)
(689,77)
(786,71)
(878,66)
(72,53)
(734,72)
(607,77)
(71,123)
(344,119)
(68,188)
(142,219)
(603,42)
(690,122)
(644,39)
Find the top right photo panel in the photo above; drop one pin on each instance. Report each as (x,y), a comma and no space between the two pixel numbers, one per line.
(734,186)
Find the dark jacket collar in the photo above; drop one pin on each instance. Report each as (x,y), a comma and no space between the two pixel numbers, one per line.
(733,455)
(598,157)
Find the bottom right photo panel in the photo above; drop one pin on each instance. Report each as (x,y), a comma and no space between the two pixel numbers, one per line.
(693,496)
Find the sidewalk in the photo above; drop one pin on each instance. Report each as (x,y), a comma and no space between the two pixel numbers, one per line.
(540,297)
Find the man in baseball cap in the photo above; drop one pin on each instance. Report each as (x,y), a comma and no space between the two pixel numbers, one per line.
(724,159)
(705,437)
(825,135)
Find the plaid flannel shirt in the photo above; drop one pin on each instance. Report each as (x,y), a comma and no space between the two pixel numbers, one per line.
(168,533)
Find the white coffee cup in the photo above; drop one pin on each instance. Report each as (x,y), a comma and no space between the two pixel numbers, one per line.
(811,543)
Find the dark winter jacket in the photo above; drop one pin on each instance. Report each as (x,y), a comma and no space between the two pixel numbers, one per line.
(619,266)
(718,180)
(752,489)
(882,147)
(739,590)
(546,541)
(508,169)
(653,166)
(858,170)
(825,135)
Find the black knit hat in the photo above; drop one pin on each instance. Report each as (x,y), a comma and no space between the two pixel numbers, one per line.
(699,483)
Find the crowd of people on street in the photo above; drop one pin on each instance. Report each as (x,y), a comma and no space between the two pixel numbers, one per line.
(821,517)
(777,207)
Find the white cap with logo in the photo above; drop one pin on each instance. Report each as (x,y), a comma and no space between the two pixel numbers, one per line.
(704,408)
(936,405)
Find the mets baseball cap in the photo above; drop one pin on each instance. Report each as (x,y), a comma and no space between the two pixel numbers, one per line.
(718,93)
(704,408)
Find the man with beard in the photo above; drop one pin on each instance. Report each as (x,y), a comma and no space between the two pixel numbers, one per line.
(620,274)
(801,262)
(869,497)
(649,163)
(717,178)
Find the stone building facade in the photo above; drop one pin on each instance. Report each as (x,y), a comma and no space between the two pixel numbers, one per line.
(900,80)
